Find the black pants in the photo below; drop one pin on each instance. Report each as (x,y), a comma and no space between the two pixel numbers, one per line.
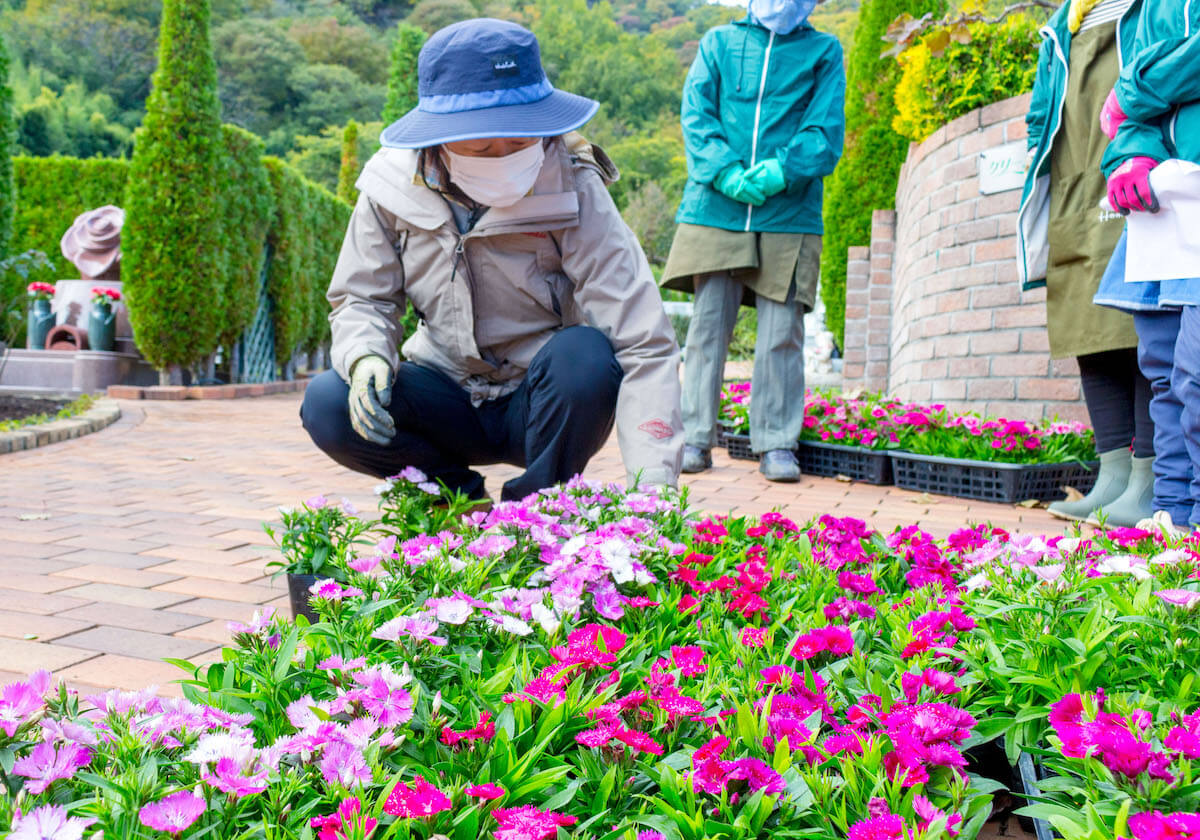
(552,424)
(1118,401)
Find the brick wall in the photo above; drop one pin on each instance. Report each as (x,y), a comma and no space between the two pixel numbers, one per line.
(938,314)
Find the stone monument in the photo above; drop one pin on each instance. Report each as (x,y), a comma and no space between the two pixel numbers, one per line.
(93,245)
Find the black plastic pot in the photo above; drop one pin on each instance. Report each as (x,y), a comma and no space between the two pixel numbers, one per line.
(990,482)
(298,594)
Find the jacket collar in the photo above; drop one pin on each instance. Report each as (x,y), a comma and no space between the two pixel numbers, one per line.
(749,22)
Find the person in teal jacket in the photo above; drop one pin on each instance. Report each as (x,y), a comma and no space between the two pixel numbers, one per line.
(763,123)
(1153,115)
(1065,241)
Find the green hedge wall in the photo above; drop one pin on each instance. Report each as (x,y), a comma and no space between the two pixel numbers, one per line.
(248,207)
(305,238)
(865,179)
(53,191)
(172,258)
(7,131)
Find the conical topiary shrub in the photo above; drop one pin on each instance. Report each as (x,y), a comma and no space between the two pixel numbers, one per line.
(402,79)
(172,263)
(7,189)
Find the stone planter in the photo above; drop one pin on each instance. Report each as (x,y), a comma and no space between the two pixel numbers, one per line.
(38,324)
(102,327)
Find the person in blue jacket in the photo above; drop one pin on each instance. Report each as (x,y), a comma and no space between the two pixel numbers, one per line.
(1153,115)
(1065,241)
(763,123)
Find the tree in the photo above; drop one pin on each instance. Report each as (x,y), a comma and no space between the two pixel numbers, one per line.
(355,47)
(402,77)
(865,179)
(258,59)
(348,173)
(318,157)
(8,198)
(432,15)
(172,238)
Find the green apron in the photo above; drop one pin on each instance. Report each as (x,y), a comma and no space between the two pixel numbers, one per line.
(765,264)
(1082,236)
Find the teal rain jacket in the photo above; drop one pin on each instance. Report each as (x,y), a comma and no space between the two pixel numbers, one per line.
(1043,120)
(1159,90)
(750,95)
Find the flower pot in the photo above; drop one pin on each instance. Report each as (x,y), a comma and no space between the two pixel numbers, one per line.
(988,481)
(102,327)
(855,462)
(38,325)
(298,594)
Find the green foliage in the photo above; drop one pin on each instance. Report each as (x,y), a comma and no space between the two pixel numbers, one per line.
(304,239)
(8,198)
(16,273)
(68,121)
(651,217)
(865,179)
(353,46)
(72,409)
(653,156)
(838,18)
(246,213)
(319,157)
(55,190)
(348,171)
(432,15)
(171,243)
(999,62)
(402,77)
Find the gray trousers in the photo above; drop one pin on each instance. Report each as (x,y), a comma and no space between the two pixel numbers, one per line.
(777,405)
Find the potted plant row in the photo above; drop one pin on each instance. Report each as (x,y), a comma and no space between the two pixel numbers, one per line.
(877,440)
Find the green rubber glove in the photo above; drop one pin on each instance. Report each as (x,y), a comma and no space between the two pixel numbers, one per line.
(767,175)
(734,183)
(370,393)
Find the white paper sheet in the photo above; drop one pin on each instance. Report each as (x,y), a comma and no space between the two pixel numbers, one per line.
(1166,245)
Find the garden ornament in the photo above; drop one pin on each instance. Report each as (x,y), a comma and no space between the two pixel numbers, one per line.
(483,78)
(734,183)
(67,337)
(93,243)
(781,16)
(1129,186)
(370,394)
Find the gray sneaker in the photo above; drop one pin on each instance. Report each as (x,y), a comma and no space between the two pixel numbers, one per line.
(695,459)
(779,465)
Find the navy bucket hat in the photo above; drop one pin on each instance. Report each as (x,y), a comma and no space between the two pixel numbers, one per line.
(483,78)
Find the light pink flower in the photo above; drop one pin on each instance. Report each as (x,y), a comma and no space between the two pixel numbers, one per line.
(173,813)
(19,701)
(330,590)
(1179,597)
(47,764)
(49,822)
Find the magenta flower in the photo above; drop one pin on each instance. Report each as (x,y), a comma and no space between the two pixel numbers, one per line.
(1159,826)
(887,827)
(49,822)
(528,823)
(345,820)
(487,791)
(330,590)
(484,730)
(754,637)
(1179,597)
(47,764)
(421,800)
(173,813)
(260,622)
(19,701)
(687,660)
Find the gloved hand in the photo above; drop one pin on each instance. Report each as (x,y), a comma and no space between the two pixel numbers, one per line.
(1111,115)
(370,393)
(734,183)
(767,175)
(1129,186)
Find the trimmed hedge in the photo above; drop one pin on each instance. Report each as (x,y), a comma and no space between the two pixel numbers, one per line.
(53,191)
(248,208)
(309,223)
(998,63)
(8,197)
(172,267)
(865,179)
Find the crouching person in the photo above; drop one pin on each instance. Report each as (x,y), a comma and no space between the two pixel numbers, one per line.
(540,323)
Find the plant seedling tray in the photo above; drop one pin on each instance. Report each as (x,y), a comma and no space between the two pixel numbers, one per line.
(737,445)
(855,462)
(990,482)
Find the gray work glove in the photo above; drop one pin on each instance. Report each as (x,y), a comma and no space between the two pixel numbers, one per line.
(370,394)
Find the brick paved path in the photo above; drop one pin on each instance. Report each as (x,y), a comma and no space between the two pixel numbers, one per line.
(141,541)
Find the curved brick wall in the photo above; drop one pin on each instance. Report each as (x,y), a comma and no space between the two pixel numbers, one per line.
(934,311)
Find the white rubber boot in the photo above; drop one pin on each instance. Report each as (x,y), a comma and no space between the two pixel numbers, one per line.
(1111,482)
(1136,503)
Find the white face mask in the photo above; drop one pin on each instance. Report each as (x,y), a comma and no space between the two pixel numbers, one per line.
(496,181)
(781,16)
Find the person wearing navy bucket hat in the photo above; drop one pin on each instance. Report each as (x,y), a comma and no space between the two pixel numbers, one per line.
(539,322)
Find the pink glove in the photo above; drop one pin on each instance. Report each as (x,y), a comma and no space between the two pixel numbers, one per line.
(1111,115)
(1129,186)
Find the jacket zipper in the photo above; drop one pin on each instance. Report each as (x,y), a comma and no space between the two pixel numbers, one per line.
(762,87)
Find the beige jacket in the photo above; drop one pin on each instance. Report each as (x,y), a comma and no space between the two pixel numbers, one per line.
(489,299)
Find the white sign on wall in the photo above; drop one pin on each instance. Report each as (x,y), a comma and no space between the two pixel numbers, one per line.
(1002,168)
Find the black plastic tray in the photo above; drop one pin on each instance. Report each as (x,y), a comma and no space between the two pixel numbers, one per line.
(854,462)
(738,446)
(989,482)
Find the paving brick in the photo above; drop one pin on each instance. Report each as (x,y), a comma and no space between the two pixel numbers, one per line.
(138,644)
(124,672)
(247,572)
(25,656)
(134,618)
(91,556)
(205,588)
(126,595)
(143,578)
(23,625)
(37,603)
(216,608)
(216,631)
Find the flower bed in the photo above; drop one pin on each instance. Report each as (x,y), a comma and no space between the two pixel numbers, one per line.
(596,663)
